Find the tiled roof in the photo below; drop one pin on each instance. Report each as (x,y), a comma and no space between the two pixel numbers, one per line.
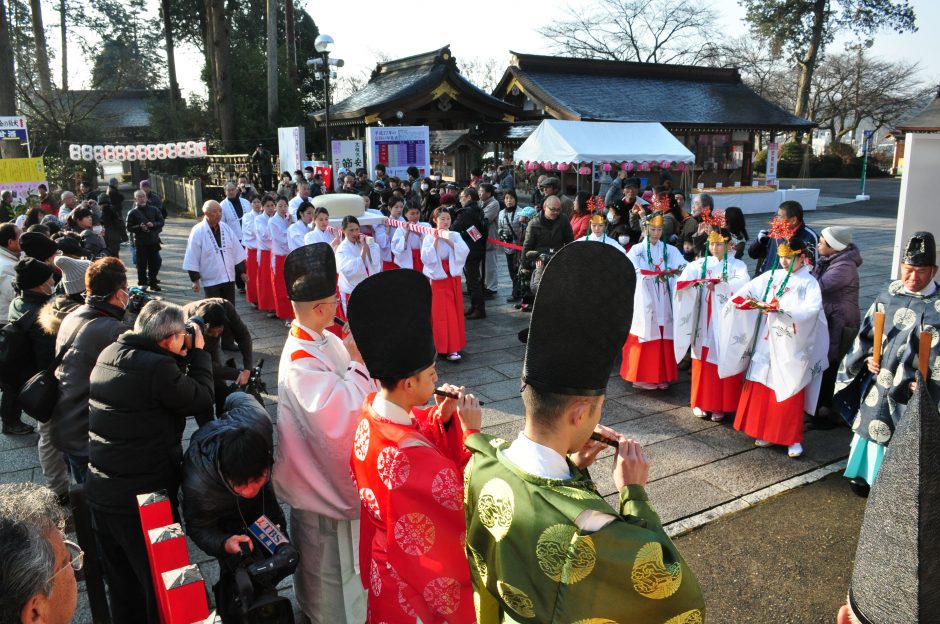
(674,95)
(408,78)
(927,120)
(117,110)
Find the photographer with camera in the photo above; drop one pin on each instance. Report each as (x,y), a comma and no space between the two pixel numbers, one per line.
(143,387)
(226,488)
(220,316)
(547,233)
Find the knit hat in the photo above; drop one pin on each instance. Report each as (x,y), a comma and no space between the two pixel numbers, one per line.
(70,246)
(113,182)
(838,237)
(31,273)
(145,184)
(37,246)
(73,274)
(527,213)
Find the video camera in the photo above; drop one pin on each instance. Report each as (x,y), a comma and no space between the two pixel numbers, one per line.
(256,576)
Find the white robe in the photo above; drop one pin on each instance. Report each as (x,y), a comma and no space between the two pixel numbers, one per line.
(652,300)
(249,234)
(215,263)
(316,236)
(693,301)
(295,235)
(383,237)
(402,246)
(435,251)
(230,217)
(277,229)
(590,236)
(791,351)
(319,402)
(352,269)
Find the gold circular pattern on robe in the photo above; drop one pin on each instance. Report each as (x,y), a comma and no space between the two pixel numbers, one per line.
(516,599)
(480,564)
(596,621)
(393,467)
(361,445)
(564,555)
(896,287)
(856,423)
(651,576)
(899,374)
(497,442)
(904,318)
(447,489)
(573,492)
(375,579)
(442,595)
(879,431)
(885,378)
(689,617)
(371,503)
(415,534)
(495,507)
(871,399)
(936,305)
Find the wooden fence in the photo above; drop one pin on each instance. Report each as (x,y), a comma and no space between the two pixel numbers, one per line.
(185,194)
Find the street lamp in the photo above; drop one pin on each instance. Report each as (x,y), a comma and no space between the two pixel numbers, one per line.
(322,65)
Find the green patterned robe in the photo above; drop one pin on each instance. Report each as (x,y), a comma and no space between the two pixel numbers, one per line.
(527,554)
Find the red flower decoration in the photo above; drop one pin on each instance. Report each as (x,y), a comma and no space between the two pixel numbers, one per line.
(780,229)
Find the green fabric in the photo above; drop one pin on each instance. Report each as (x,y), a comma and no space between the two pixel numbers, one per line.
(526,552)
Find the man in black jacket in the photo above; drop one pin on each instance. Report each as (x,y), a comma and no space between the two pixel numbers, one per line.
(227,485)
(143,387)
(469,221)
(145,222)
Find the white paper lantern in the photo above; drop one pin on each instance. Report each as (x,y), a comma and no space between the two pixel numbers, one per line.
(88,152)
(141,152)
(191,149)
(171,150)
(161,151)
(202,149)
(109,153)
(130,152)
(151,151)
(120,153)
(181,149)
(98,152)
(75,152)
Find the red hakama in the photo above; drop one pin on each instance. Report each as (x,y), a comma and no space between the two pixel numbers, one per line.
(762,417)
(711,393)
(251,268)
(652,361)
(447,320)
(282,305)
(416,263)
(265,281)
(389,266)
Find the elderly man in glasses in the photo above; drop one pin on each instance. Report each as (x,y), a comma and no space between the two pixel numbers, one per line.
(37,580)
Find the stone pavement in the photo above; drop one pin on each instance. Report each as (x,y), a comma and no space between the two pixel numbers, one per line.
(700,469)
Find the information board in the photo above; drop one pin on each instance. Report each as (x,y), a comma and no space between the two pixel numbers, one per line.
(399,148)
(349,155)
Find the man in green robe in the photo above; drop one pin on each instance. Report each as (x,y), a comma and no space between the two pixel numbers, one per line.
(543,545)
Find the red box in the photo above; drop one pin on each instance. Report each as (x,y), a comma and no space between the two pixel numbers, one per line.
(186,595)
(154,510)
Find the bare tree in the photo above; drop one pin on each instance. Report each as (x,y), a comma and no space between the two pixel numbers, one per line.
(64,52)
(7,66)
(42,54)
(484,72)
(648,31)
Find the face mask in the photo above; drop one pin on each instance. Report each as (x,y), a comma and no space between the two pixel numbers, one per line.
(425,187)
(610,217)
(97,229)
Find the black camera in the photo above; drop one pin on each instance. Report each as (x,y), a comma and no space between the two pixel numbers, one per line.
(138,299)
(191,330)
(254,599)
(255,386)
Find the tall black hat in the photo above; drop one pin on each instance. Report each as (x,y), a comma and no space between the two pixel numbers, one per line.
(897,565)
(580,320)
(310,272)
(390,319)
(921,250)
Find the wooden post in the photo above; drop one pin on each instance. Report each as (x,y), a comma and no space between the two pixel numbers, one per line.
(923,353)
(879,334)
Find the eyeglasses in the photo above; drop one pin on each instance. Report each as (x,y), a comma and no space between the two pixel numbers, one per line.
(76,558)
(334,302)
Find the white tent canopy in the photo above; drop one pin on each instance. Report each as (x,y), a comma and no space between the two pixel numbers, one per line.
(601,141)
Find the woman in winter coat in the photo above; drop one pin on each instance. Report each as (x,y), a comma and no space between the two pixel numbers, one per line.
(581,215)
(837,274)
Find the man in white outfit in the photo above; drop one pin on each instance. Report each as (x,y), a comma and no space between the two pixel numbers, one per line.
(214,256)
(322,383)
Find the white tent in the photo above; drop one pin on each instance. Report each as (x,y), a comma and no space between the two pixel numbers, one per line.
(601,141)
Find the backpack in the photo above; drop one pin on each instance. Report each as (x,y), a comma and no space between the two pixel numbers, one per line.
(16,348)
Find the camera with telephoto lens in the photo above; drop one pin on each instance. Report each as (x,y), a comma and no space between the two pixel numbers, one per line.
(190,327)
(137,300)
(255,599)
(255,386)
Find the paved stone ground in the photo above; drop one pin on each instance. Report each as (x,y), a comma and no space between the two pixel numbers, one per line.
(696,465)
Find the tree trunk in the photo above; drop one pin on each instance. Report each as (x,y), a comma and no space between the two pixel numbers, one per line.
(221,64)
(7,66)
(272,63)
(42,55)
(290,40)
(206,30)
(64,51)
(170,52)
(808,62)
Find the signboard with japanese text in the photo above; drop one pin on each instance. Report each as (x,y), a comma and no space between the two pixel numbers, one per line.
(291,148)
(349,155)
(399,148)
(773,157)
(21,176)
(14,128)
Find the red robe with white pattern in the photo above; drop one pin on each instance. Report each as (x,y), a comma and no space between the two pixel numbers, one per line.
(413,532)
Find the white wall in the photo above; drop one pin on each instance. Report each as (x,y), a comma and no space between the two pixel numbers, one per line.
(918,207)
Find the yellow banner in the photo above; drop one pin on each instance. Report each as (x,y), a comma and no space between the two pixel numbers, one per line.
(19,170)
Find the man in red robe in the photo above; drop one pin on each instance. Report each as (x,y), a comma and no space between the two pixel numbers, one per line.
(408,460)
